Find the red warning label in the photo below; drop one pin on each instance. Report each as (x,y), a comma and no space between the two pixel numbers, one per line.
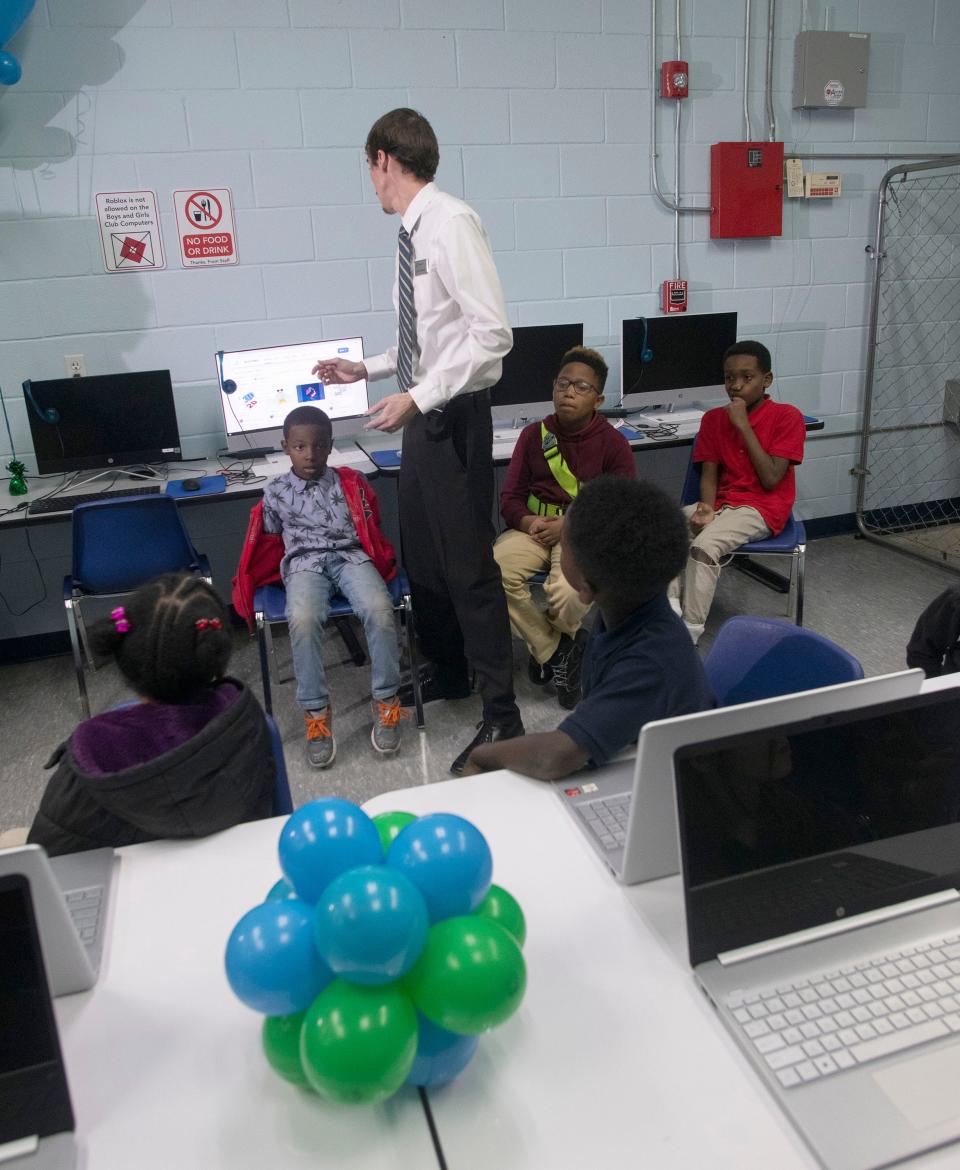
(219,244)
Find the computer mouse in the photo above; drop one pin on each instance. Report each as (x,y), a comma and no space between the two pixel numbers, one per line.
(191,485)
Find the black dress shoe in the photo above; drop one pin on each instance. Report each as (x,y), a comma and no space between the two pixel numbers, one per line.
(433,686)
(487,732)
(539,673)
(566,664)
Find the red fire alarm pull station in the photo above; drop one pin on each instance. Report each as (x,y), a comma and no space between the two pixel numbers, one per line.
(746,180)
(674,296)
(674,79)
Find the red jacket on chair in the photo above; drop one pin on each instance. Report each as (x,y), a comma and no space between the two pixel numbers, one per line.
(263,551)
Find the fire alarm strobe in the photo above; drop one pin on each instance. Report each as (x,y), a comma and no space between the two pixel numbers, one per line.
(746,189)
(674,79)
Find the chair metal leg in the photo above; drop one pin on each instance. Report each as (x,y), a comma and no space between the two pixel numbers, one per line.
(414,659)
(262,635)
(800,556)
(77,658)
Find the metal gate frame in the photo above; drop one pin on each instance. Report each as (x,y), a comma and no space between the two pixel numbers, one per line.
(877,254)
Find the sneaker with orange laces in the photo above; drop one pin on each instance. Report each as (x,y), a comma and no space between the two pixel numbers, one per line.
(385,735)
(321,746)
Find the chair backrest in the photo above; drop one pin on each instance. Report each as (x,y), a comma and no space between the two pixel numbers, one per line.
(120,544)
(759,658)
(282,800)
(691,482)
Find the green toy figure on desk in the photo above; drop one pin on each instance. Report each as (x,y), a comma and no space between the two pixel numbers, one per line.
(18,483)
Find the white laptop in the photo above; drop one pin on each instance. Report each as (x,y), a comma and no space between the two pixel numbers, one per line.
(70,896)
(626,809)
(821,872)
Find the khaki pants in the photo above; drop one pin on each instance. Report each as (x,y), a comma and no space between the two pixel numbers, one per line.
(729,528)
(519,557)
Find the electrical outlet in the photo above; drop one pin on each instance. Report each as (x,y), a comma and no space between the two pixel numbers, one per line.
(76,367)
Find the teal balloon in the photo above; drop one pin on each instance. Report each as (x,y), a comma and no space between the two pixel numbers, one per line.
(12,15)
(280,891)
(323,839)
(370,925)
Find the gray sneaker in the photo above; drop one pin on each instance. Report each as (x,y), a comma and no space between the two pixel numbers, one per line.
(321,746)
(385,735)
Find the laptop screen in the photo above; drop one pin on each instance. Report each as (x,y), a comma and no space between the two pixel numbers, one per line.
(810,822)
(34,1100)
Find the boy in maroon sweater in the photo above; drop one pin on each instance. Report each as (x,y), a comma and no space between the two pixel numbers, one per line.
(550,462)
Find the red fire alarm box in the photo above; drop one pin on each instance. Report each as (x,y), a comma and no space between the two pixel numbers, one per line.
(746,180)
(674,296)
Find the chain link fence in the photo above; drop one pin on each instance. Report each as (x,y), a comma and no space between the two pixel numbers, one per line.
(909,471)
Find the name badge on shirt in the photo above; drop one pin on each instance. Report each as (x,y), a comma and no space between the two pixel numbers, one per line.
(421,267)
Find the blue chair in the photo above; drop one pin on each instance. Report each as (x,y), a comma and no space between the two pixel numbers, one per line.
(118,545)
(759,658)
(270,609)
(791,542)
(282,800)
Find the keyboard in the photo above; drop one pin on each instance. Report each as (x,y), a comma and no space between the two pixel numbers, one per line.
(843,1018)
(85,908)
(508,436)
(607,819)
(62,503)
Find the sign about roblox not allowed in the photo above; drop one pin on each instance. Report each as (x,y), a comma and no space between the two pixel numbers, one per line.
(205,227)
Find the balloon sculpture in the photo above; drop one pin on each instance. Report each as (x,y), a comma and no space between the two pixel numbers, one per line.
(12,15)
(381,954)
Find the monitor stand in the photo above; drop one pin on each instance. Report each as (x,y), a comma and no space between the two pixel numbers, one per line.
(134,471)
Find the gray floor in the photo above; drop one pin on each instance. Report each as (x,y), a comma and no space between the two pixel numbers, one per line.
(861,595)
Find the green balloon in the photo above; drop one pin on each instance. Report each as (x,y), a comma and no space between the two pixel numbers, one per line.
(389,825)
(471,975)
(503,908)
(281,1043)
(358,1043)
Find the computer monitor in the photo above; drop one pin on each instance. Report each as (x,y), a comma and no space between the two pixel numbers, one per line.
(259,388)
(674,359)
(529,369)
(101,422)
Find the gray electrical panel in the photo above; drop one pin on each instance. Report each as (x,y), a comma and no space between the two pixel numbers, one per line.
(830,70)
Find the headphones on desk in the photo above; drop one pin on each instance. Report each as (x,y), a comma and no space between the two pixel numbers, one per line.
(50,415)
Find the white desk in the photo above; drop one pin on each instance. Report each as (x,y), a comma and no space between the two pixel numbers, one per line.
(164,1063)
(614,1059)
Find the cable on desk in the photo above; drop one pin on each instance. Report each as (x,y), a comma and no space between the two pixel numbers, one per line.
(43,585)
(239,471)
(431,1125)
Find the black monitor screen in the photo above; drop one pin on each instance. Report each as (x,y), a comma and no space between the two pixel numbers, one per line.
(684,351)
(33,1091)
(530,367)
(110,420)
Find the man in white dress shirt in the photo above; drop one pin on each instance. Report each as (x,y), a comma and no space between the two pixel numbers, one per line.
(450,345)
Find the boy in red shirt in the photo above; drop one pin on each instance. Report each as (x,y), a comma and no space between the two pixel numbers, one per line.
(550,462)
(747,451)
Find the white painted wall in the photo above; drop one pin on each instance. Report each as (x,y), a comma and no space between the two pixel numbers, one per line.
(542,110)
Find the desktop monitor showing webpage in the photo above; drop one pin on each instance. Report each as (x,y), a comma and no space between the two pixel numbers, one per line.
(525,389)
(666,361)
(104,421)
(259,388)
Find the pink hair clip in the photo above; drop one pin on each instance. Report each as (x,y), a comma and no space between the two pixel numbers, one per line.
(213,623)
(119,616)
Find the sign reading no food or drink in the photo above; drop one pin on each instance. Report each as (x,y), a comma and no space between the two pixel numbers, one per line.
(205,227)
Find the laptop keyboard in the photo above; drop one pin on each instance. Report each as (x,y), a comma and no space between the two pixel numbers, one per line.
(853,1015)
(608,818)
(85,907)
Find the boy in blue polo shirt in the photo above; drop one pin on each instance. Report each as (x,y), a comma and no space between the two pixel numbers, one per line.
(623,542)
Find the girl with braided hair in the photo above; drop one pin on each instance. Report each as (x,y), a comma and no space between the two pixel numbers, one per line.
(192,757)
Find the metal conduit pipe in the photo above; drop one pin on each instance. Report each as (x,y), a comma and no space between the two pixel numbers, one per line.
(768,83)
(747,128)
(670,204)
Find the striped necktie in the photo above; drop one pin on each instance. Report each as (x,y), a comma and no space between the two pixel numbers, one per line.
(407,323)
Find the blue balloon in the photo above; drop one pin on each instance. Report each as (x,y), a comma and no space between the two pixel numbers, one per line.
(370,925)
(12,15)
(324,838)
(10,71)
(272,964)
(447,859)
(279,891)
(441,1055)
